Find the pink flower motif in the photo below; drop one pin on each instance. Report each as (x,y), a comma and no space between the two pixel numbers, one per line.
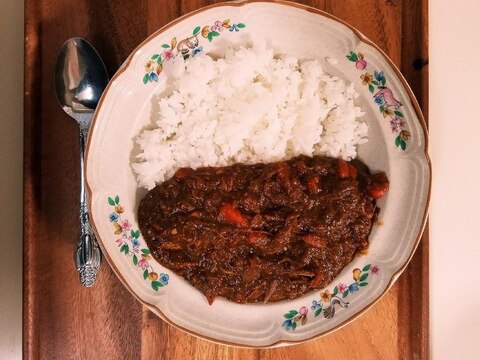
(168,54)
(396,124)
(341,288)
(217,26)
(143,264)
(374,270)
(119,242)
(303,310)
(361,64)
(126,225)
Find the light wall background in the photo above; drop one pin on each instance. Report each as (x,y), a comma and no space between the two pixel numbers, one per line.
(11,164)
(455,206)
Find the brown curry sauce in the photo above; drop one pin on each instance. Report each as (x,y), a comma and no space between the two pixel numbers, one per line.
(263,232)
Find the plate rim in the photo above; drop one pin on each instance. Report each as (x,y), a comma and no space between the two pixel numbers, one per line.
(362,39)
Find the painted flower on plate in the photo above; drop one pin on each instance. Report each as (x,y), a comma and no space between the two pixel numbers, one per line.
(341,288)
(164,278)
(153,76)
(366,78)
(353,287)
(404,135)
(396,123)
(136,243)
(153,276)
(287,324)
(126,225)
(217,26)
(356,274)
(168,54)
(361,64)
(149,65)
(379,76)
(326,296)
(113,217)
(387,112)
(143,264)
(303,310)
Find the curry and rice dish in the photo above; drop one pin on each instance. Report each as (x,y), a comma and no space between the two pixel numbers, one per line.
(255,194)
(262,232)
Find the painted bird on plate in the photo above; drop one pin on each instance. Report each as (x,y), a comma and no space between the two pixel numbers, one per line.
(329,312)
(386,94)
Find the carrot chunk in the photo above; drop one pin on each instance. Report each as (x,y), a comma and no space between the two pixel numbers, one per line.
(312,183)
(379,186)
(379,190)
(352,171)
(229,213)
(343,169)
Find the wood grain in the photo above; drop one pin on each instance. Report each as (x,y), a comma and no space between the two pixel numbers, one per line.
(62,320)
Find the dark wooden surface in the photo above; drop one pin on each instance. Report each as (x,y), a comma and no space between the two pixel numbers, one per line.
(62,320)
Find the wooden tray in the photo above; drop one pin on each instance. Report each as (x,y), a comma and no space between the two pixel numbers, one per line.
(64,320)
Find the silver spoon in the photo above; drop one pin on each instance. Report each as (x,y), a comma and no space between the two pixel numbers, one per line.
(80,78)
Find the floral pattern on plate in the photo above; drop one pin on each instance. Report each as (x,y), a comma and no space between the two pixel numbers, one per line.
(383,96)
(188,47)
(129,243)
(329,301)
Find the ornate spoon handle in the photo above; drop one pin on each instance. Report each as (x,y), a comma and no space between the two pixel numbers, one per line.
(88,253)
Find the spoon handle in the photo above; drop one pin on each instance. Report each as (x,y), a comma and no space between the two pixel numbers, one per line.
(88,253)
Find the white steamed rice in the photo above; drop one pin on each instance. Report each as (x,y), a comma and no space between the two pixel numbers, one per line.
(248,107)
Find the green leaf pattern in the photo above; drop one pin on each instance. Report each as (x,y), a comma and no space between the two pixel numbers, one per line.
(188,47)
(329,301)
(290,314)
(352,56)
(384,98)
(130,244)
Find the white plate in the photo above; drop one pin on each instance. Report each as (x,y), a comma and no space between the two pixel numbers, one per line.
(397,144)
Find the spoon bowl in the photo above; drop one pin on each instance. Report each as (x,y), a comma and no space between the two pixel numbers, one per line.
(80,78)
